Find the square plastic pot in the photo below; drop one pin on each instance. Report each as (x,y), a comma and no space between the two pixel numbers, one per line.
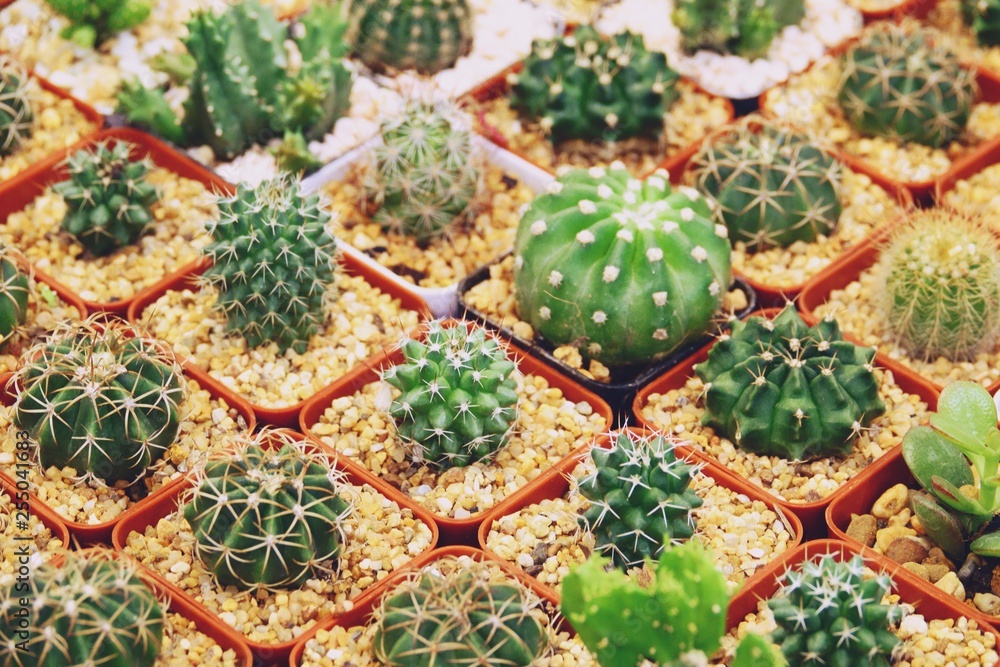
(48,518)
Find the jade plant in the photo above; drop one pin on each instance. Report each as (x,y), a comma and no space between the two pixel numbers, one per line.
(781,388)
(983,17)
(745,28)
(627,270)
(15,288)
(15,106)
(590,87)
(92,22)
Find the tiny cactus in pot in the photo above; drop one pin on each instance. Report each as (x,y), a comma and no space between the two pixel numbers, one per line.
(983,17)
(745,28)
(16,115)
(15,288)
(92,22)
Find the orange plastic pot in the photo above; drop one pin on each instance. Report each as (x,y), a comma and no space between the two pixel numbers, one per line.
(905,9)
(18,490)
(971,167)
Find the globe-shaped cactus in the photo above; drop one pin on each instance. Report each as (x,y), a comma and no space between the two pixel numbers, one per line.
(15,286)
(745,28)
(15,106)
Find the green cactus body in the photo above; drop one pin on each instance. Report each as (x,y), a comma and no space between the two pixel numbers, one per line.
(640,500)
(108,198)
(15,106)
(771,185)
(458,397)
(257,40)
(626,269)
(458,614)
(149,110)
(92,610)
(983,16)
(745,28)
(829,615)
(782,388)
(898,83)
(92,22)
(268,516)
(586,86)
(15,286)
(423,35)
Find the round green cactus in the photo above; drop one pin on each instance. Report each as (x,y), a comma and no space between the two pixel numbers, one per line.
(983,16)
(94,22)
(15,287)
(99,398)
(626,269)
(745,28)
(15,106)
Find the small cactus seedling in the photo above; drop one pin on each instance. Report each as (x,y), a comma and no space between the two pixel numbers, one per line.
(15,106)
(745,28)
(92,22)
(983,16)
(15,287)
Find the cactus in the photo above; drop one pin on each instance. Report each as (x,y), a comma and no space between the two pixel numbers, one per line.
(91,610)
(15,287)
(745,28)
(15,106)
(458,398)
(458,613)
(898,83)
(772,186)
(268,516)
(586,86)
(983,17)
(423,35)
(627,269)
(273,262)
(99,398)
(107,196)
(640,500)
(938,286)
(92,22)
(828,614)
(782,388)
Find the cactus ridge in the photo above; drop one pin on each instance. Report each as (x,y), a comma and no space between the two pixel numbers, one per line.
(16,286)
(16,116)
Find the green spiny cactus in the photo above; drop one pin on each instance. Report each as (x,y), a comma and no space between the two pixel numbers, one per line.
(91,610)
(828,614)
(148,109)
(898,83)
(15,287)
(628,270)
(424,35)
(458,398)
(771,185)
(107,196)
(590,87)
(268,516)
(15,106)
(92,22)
(781,388)
(459,613)
(745,28)
(938,286)
(983,16)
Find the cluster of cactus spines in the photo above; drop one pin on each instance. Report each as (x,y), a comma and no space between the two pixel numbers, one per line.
(590,87)
(828,613)
(91,610)
(15,106)
(92,22)
(423,177)
(459,613)
(640,497)
(269,514)
(273,263)
(772,186)
(15,288)
(745,28)
(423,35)
(628,270)
(781,388)
(458,400)
(99,398)
(983,16)
(938,285)
(897,82)
(107,196)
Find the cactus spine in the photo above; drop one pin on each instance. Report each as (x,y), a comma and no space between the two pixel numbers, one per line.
(15,287)
(15,106)
(92,22)
(745,28)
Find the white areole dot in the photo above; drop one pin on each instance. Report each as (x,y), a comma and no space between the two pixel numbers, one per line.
(687,214)
(660,298)
(657,182)
(597,172)
(519,261)
(654,254)
(690,192)
(538,227)
(544,312)
(634,184)
(670,226)
(585,237)
(713,289)
(604,191)
(625,235)
(630,197)
(600,317)
(661,334)
(722,231)
(610,273)
(555,278)
(699,254)
(587,207)
(617,165)
(554,188)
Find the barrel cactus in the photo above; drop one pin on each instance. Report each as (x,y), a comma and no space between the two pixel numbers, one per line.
(745,28)
(268,515)
(983,16)
(782,388)
(629,270)
(91,23)
(15,287)
(899,83)
(15,106)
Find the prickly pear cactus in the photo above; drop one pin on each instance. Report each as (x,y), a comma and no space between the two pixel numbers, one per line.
(15,106)
(15,287)
(983,16)
(745,28)
(628,270)
(92,22)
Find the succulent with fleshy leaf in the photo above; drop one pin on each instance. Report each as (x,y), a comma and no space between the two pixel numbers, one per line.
(92,22)
(983,17)
(15,287)
(16,114)
(745,28)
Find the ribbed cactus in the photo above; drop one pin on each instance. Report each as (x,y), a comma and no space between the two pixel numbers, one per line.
(268,515)
(628,270)
(273,262)
(92,22)
(983,16)
(782,388)
(107,197)
(423,35)
(91,610)
(590,87)
(458,613)
(772,186)
(100,398)
(15,287)
(15,106)
(828,614)
(745,28)
(938,289)
(898,83)
(458,399)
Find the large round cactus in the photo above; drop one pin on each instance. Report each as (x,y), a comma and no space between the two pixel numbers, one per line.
(627,269)
(15,106)
(15,286)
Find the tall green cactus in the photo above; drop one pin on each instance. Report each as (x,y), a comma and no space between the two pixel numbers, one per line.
(92,22)
(15,106)
(745,28)
(15,287)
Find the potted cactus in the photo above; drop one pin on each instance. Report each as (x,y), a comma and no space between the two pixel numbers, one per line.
(970,28)
(91,24)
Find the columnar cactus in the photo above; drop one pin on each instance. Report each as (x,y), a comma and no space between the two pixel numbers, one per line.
(15,287)
(15,106)
(269,515)
(91,610)
(107,197)
(273,262)
(782,388)
(745,28)
(938,286)
(461,614)
(772,186)
(829,614)
(458,398)
(983,16)
(423,35)
(92,22)
(590,87)
(898,83)
(628,270)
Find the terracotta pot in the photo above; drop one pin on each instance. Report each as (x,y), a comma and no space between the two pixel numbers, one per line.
(912,9)
(19,493)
